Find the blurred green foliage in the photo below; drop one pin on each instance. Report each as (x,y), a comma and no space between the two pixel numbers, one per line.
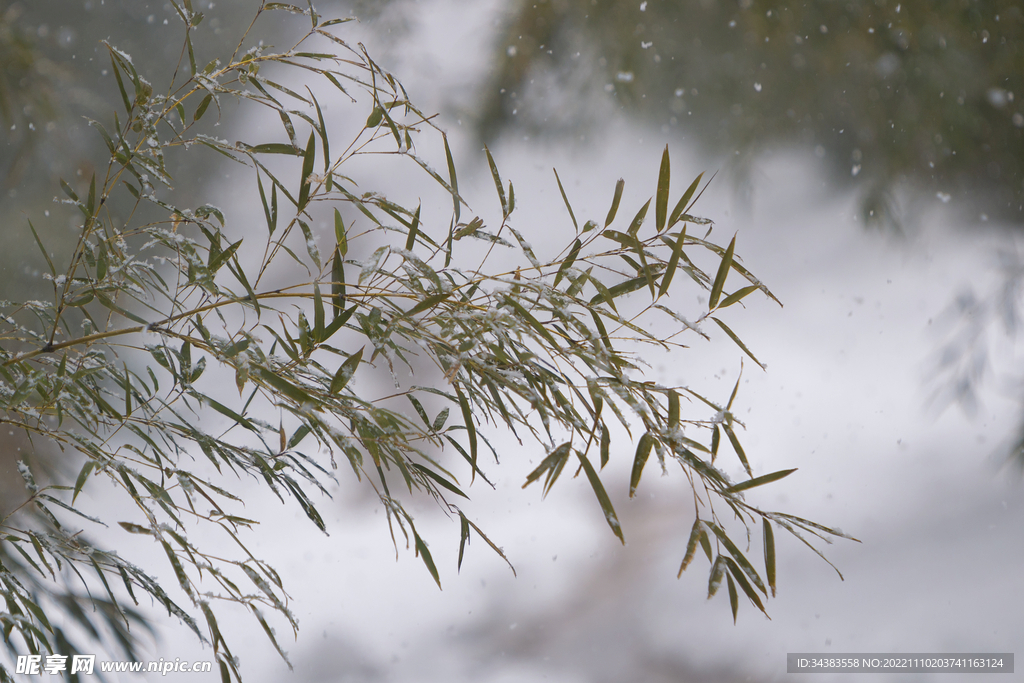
(912,93)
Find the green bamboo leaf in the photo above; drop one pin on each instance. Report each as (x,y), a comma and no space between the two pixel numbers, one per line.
(716,437)
(339,321)
(715,578)
(566,200)
(619,185)
(673,410)
(682,205)
(83,475)
(769,553)
(741,579)
(602,497)
(760,481)
(441,481)
(552,465)
(643,451)
(46,255)
(345,372)
(285,387)
(691,546)
(222,257)
(606,443)
(39,551)
(307,168)
(201,109)
(618,290)
(277,148)
(497,182)
(723,272)
(734,602)
(673,263)
(439,420)
(467,418)
(661,198)
(638,219)
(311,248)
(569,260)
(738,295)
(429,302)
(227,412)
(463,537)
(318,314)
(739,449)
(375,117)
(410,242)
(533,322)
(453,182)
(135,528)
(421,550)
(740,559)
(271,222)
(732,335)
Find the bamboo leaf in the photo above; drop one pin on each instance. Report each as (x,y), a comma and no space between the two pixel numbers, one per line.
(769,553)
(602,497)
(691,546)
(732,335)
(421,550)
(733,598)
(738,295)
(566,200)
(739,451)
(467,419)
(673,263)
(463,537)
(345,372)
(619,185)
(741,578)
(723,272)
(661,198)
(760,481)
(682,205)
(410,242)
(638,219)
(497,182)
(643,451)
(569,260)
(307,168)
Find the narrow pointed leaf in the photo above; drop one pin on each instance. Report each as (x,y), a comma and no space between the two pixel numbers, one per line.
(683,205)
(566,200)
(734,602)
(497,182)
(638,219)
(619,185)
(307,168)
(691,546)
(661,198)
(643,451)
(738,295)
(345,372)
(723,272)
(739,452)
(732,335)
(769,553)
(673,263)
(467,418)
(760,481)
(602,497)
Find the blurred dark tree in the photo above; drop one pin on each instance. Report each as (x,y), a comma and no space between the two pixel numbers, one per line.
(912,93)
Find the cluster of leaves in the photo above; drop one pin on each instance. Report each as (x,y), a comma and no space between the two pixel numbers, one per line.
(124,364)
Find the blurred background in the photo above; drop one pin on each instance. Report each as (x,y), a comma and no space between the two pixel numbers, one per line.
(870,159)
